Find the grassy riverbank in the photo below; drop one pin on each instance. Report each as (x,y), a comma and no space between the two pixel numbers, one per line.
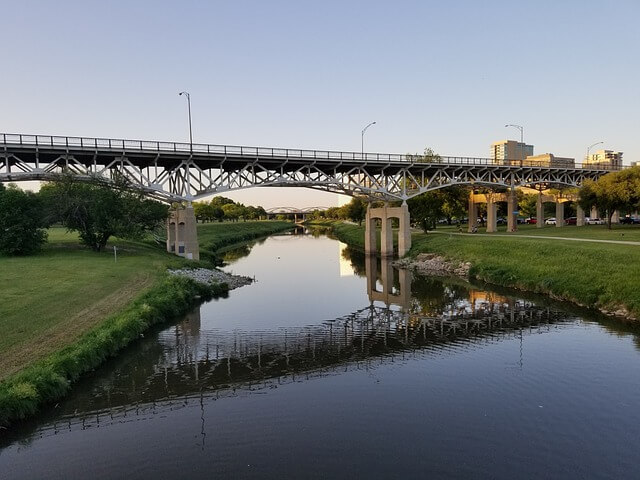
(67,309)
(214,236)
(603,276)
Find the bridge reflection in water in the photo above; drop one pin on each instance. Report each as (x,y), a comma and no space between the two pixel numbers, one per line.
(185,366)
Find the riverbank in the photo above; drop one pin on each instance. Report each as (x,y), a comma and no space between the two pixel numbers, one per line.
(215,236)
(596,275)
(67,309)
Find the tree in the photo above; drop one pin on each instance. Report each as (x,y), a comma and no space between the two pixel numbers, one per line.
(232,211)
(425,209)
(454,202)
(429,156)
(22,222)
(527,204)
(613,191)
(356,210)
(98,210)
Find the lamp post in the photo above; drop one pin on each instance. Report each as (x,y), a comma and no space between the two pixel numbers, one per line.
(362,138)
(190,130)
(589,149)
(521,128)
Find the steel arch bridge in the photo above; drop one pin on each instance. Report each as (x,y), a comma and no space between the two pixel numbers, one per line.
(181,171)
(294,210)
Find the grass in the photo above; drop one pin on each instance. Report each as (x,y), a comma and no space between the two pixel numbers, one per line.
(22,394)
(51,299)
(66,309)
(600,275)
(595,232)
(214,236)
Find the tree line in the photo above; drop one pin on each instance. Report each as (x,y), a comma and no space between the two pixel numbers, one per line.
(222,208)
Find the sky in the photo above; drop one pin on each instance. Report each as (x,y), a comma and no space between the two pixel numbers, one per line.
(441,74)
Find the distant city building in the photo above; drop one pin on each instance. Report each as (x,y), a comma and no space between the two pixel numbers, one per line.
(605,158)
(550,160)
(635,164)
(510,150)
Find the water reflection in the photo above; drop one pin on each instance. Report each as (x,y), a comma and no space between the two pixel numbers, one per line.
(187,366)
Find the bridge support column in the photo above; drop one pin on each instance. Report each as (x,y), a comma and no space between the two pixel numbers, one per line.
(386,216)
(579,216)
(539,211)
(512,206)
(370,241)
(492,219)
(473,214)
(404,233)
(182,234)
(559,214)
(386,235)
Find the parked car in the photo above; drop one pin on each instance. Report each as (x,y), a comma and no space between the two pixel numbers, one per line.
(531,221)
(571,221)
(628,220)
(550,221)
(501,221)
(593,221)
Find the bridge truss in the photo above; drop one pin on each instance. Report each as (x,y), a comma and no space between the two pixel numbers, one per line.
(182,171)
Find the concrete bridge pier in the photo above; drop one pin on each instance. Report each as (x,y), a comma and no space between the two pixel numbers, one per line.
(182,234)
(512,206)
(473,213)
(540,211)
(492,216)
(386,215)
(559,214)
(579,216)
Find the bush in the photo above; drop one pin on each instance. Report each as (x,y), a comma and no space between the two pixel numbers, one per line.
(21,222)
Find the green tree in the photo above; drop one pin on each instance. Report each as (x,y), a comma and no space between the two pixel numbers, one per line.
(614,191)
(232,211)
(356,210)
(98,211)
(22,222)
(425,209)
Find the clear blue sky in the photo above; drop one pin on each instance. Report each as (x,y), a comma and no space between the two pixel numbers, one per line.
(445,74)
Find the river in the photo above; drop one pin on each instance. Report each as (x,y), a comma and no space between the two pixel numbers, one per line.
(333,365)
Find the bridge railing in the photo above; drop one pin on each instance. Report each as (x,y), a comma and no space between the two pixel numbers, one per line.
(123,146)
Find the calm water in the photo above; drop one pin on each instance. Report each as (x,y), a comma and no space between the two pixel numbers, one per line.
(332,365)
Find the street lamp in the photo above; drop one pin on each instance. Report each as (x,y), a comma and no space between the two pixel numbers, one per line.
(362,137)
(589,149)
(521,128)
(190,131)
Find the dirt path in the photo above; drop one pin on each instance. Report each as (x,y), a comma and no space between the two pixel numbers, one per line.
(68,330)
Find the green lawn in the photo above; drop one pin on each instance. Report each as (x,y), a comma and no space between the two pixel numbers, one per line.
(213,236)
(51,298)
(596,232)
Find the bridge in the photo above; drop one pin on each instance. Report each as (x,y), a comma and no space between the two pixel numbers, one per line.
(173,171)
(299,214)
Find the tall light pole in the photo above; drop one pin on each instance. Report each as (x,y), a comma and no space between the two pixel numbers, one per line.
(190,130)
(362,138)
(521,128)
(589,149)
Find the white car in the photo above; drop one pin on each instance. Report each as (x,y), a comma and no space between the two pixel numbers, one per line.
(593,221)
(550,221)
